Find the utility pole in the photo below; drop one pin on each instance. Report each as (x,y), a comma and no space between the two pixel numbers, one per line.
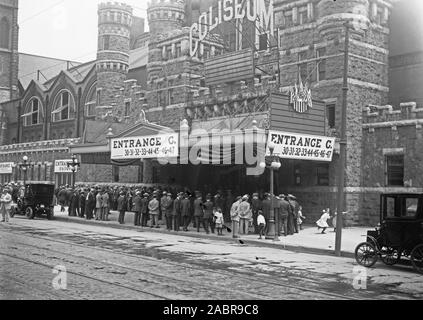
(343,148)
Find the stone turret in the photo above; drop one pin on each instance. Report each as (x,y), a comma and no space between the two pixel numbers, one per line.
(165,16)
(114,27)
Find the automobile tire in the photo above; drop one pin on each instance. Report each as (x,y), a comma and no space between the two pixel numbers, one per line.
(366,254)
(417,258)
(29,212)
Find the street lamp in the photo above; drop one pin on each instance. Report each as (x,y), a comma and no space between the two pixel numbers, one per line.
(275,164)
(73,165)
(24,166)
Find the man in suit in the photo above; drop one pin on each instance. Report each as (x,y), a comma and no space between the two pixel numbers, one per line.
(89,204)
(82,198)
(154,209)
(282,210)
(176,212)
(144,210)
(186,211)
(137,208)
(256,206)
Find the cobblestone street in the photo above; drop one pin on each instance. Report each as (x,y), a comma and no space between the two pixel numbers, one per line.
(106,263)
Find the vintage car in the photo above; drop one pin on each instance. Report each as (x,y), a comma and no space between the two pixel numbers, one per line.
(400,234)
(37,200)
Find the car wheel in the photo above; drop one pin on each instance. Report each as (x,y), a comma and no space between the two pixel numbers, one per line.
(390,256)
(29,212)
(366,254)
(417,258)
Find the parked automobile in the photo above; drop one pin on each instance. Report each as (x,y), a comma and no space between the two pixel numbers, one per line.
(400,234)
(37,200)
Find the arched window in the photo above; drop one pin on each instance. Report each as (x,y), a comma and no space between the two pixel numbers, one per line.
(64,106)
(91,101)
(4,34)
(33,112)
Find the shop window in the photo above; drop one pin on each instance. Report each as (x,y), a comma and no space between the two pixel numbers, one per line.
(330,115)
(4,34)
(323,175)
(395,170)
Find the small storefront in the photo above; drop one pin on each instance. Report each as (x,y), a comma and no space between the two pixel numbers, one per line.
(6,172)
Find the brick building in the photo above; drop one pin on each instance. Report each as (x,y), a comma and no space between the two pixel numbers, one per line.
(144,82)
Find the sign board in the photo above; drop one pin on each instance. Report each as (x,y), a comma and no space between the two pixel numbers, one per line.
(259,12)
(61,166)
(148,147)
(301,146)
(284,117)
(234,66)
(6,167)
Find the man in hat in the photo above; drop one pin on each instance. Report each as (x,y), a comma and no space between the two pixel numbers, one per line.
(153,208)
(186,211)
(144,210)
(235,217)
(295,205)
(291,216)
(82,199)
(5,205)
(137,208)
(90,204)
(122,207)
(176,212)
(245,215)
(282,210)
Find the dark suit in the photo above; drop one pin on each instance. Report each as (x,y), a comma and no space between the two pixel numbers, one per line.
(282,210)
(137,210)
(176,214)
(89,205)
(186,212)
(144,211)
(82,197)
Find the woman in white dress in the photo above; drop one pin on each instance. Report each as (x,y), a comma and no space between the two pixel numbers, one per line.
(322,223)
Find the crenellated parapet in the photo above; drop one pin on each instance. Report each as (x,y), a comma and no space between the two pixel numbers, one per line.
(407,114)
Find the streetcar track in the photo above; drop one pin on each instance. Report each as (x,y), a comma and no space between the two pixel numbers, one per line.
(141,271)
(239,276)
(86,276)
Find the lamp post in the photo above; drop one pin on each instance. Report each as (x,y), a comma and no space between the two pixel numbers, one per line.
(73,165)
(275,164)
(343,147)
(24,166)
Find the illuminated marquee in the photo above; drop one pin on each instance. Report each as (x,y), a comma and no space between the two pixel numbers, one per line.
(257,11)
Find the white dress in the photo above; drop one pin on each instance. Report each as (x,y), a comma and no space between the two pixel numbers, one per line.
(322,222)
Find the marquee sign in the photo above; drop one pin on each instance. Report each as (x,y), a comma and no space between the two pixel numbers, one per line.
(301,146)
(6,167)
(258,11)
(61,166)
(149,147)
(300,98)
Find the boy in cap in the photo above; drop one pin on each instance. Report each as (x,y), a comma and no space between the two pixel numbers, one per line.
(261,223)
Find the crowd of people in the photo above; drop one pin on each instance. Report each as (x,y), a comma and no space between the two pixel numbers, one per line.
(153,207)
(182,210)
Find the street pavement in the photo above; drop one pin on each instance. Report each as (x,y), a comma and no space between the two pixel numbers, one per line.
(307,240)
(103,262)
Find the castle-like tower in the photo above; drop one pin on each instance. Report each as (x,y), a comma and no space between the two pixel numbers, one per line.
(114,28)
(9,58)
(165,16)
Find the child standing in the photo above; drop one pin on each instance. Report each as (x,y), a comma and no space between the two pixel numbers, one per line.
(261,223)
(301,218)
(218,220)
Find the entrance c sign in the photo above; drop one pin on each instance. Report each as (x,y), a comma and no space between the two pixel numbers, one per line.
(148,147)
(301,146)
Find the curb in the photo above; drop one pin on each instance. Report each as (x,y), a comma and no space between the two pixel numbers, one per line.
(256,243)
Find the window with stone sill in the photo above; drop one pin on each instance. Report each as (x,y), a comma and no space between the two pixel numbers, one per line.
(303,16)
(64,107)
(394,170)
(4,33)
(323,175)
(33,113)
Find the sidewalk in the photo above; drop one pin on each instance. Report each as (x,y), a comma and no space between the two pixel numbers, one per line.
(308,240)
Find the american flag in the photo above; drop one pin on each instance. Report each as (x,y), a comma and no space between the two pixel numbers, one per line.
(300,98)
